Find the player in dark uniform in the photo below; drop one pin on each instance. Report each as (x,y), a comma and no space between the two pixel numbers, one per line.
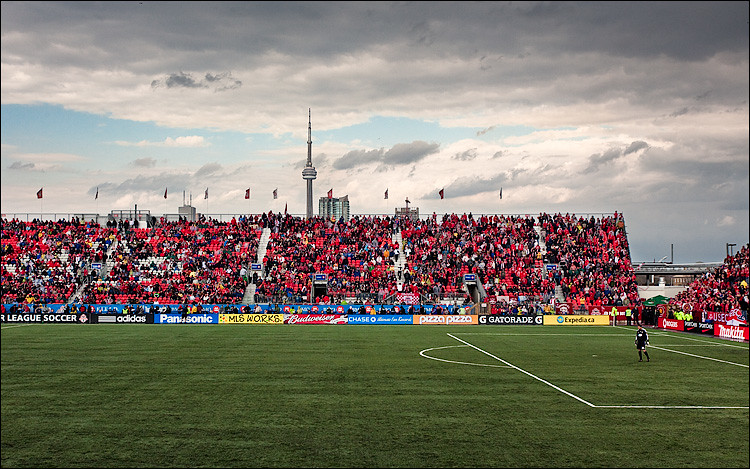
(641,340)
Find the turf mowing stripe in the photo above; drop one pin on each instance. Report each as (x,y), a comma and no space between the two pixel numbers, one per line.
(525,372)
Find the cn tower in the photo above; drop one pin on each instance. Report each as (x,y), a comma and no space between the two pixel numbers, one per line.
(309,173)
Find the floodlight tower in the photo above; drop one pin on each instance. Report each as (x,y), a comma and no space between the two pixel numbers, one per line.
(309,173)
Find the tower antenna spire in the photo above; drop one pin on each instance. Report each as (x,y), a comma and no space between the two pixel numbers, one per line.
(309,173)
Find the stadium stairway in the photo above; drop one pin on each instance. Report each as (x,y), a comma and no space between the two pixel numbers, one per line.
(401,262)
(265,236)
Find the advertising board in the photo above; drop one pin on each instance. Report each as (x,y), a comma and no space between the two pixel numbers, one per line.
(575,320)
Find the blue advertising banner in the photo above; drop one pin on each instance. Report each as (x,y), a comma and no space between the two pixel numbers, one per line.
(203,318)
(379,319)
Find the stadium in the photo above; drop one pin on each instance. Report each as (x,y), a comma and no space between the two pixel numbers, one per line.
(478,293)
(200,342)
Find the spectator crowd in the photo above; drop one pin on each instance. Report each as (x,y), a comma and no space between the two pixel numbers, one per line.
(521,262)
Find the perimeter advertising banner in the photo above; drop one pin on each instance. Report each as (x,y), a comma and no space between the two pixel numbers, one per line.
(671,324)
(205,318)
(575,320)
(46,318)
(122,318)
(379,319)
(509,320)
(315,319)
(251,319)
(731,332)
(446,319)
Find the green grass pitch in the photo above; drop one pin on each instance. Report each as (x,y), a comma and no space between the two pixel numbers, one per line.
(113,395)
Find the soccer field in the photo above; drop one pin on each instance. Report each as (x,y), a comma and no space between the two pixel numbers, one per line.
(113,395)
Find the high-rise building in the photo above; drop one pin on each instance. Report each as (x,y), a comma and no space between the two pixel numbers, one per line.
(335,207)
(309,173)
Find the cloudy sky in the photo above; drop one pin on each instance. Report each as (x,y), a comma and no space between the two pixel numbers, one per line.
(582,107)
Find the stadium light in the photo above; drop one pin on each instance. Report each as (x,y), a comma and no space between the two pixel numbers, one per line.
(729,248)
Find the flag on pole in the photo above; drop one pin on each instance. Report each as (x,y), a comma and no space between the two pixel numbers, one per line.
(330,193)
(165,192)
(275,194)
(247,193)
(285,206)
(39,193)
(97,194)
(501,192)
(386,194)
(205,195)
(442,194)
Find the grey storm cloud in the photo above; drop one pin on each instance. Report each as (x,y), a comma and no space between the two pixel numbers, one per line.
(468,186)
(219,82)
(635,146)
(609,156)
(208,169)
(406,153)
(399,155)
(145,162)
(599,159)
(467,155)
(21,166)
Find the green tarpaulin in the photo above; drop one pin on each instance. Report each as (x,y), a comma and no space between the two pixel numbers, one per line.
(656,300)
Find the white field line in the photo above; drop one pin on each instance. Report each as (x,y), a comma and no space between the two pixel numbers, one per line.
(17,325)
(681,335)
(453,361)
(594,405)
(525,372)
(698,356)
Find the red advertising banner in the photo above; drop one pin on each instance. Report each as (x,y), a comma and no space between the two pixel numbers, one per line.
(734,317)
(315,319)
(731,332)
(563,308)
(672,324)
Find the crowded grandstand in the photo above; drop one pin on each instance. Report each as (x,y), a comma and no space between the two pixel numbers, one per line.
(520,264)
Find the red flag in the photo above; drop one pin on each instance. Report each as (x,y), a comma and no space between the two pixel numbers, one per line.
(386,194)
(205,196)
(330,194)
(442,194)
(165,193)
(275,194)
(247,193)
(39,193)
(285,205)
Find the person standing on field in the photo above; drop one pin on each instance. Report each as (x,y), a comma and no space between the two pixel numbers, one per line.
(641,341)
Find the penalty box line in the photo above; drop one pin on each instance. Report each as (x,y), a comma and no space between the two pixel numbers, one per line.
(525,372)
(558,388)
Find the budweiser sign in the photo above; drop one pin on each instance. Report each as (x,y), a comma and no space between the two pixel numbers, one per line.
(315,319)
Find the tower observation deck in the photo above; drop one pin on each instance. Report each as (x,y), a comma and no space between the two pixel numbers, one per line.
(309,173)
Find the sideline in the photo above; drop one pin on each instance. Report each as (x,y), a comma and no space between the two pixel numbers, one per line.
(17,325)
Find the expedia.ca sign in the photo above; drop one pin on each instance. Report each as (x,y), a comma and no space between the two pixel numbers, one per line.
(509,320)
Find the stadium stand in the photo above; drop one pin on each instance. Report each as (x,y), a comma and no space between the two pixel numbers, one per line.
(522,262)
(721,290)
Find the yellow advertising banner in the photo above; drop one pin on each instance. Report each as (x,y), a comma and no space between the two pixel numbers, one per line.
(251,319)
(575,320)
